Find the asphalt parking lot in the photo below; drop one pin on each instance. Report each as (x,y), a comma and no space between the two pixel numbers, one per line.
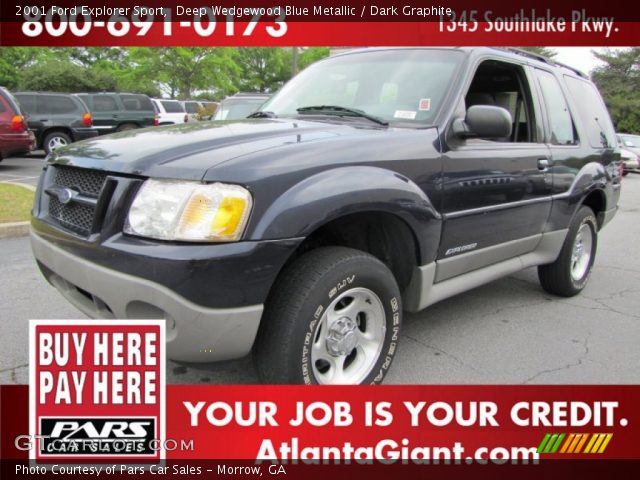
(509,331)
(22,169)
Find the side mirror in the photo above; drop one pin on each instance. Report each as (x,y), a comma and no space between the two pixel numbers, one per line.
(484,121)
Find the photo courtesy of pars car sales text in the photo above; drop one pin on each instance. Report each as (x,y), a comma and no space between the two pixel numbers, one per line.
(319,240)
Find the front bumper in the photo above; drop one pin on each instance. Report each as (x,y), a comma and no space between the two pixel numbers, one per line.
(194,333)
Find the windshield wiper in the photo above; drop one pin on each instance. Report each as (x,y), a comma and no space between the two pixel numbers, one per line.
(262,114)
(341,111)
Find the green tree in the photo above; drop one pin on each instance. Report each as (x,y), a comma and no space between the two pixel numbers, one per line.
(312,55)
(619,82)
(266,69)
(13,61)
(263,69)
(181,71)
(63,76)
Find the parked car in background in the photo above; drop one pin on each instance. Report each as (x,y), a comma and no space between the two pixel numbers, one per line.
(630,160)
(56,119)
(629,151)
(208,111)
(170,112)
(200,110)
(240,105)
(116,112)
(193,108)
(15,137)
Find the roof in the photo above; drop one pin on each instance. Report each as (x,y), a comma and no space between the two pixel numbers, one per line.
(505,51)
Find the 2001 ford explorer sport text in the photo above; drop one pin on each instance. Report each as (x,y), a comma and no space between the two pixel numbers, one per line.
(375,182)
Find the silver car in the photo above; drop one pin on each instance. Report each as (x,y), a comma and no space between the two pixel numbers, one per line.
(630,152)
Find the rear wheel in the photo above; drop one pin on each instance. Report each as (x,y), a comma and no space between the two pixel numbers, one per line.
(55,140)
(333,318)
(569,274)
(126,126)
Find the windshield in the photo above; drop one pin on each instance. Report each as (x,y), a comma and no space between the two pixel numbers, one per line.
(398,86)
(632,141)
(238,109)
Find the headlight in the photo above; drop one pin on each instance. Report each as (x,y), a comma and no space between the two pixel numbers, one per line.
(188,211)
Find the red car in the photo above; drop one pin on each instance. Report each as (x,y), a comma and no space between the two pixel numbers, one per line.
(15,137)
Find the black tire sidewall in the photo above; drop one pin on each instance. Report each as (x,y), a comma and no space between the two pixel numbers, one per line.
(359,272)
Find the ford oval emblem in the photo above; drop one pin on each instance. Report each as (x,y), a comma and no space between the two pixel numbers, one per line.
(65,195)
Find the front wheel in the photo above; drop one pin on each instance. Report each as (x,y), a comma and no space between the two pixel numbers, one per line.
(333,318)
(569,274)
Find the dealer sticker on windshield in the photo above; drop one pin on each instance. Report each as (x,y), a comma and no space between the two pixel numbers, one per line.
(424,105)
(406,114)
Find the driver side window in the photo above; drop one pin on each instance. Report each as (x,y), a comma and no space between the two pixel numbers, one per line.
(504,85)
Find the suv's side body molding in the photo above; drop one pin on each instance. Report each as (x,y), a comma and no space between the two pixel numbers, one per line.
(425,289)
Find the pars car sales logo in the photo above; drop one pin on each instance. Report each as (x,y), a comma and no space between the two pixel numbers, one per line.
(97,389)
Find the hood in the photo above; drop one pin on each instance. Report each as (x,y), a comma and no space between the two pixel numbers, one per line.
(187,151)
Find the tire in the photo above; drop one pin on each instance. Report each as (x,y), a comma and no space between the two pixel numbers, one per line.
(55,140)
(126,126)
(569,274)
(333,317)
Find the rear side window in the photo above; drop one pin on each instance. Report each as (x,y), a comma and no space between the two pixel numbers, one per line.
(27,103)
(563,131)
(136,103)
(85,99)
(12,104)
(191,107)
(172,107)
(593,112)
(57,104)
(104,103)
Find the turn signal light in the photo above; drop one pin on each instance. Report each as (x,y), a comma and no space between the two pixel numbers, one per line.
(156,120)
(87,120)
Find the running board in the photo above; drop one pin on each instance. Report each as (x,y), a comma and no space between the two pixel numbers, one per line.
(423,291)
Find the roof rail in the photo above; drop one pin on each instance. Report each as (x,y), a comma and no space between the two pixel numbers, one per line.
(542,58)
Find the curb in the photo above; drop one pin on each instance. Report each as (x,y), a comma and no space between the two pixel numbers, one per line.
(16,229)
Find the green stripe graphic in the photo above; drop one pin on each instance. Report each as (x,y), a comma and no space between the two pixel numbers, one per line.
(558,443)
(550,443)
(543,442)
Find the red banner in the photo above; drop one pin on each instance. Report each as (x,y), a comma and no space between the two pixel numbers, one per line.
(313,34)
(352,23)
(394,424)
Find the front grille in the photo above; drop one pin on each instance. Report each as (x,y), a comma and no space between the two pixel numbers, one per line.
(75,216)
(87,182)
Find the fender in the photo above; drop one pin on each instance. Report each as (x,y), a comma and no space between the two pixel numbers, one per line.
(342,191)
(590,178)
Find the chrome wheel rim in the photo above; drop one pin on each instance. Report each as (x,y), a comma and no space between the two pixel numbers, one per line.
(56,142)
(348,338)
(581,253)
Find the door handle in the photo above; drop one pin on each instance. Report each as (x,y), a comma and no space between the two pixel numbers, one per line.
(44,119)
(543,164)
